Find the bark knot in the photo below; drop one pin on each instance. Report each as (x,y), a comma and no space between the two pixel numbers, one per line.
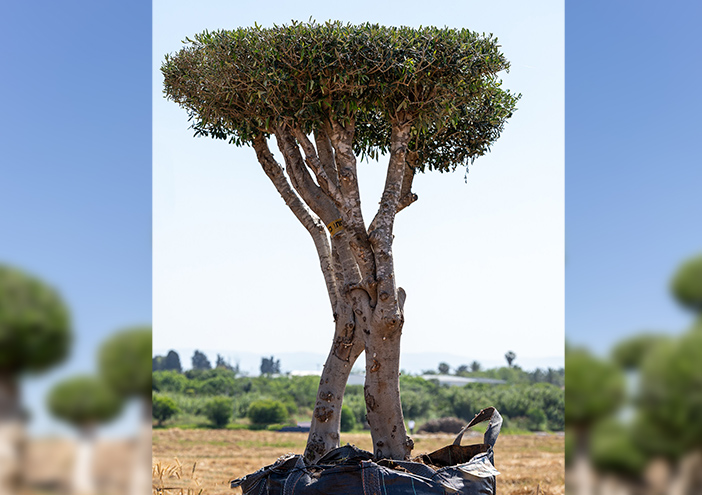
(323,414)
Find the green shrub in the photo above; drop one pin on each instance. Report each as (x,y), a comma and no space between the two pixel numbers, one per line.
(348,420)
(267,411)
(163,408)
(219,410)
(536,419)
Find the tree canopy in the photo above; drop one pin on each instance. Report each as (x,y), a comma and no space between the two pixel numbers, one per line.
(687,284)
(200,362)
(593,388)
(237,84)
(35,327)
(124,362)
(84,401)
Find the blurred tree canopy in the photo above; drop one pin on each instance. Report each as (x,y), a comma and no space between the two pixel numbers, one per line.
(35,327)
(84,401)
(670,398)
(631,352)
(687,284)
(124,362)
(594,388)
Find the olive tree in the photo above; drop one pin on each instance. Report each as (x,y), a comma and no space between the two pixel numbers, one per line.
(424,99)
(35,334)
(594,390)
(35,331)
(85,402)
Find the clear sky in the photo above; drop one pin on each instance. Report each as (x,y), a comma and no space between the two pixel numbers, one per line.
(633,165)
(481,260)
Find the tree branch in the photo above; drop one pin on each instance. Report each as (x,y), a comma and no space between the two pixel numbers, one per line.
(315,164)
(407,197)
(326,155)
(315,197)
(381,227)
(341,139)
(313,224)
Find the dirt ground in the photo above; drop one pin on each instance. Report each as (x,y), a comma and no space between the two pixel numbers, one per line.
(529,464)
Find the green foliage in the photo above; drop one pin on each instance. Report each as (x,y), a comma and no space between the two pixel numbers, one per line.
(687,284)
(124,362)
(421,399)
(35,328)
(84,401)
(163,408)
(670,401)
(594,388)
(630,353)
(168,381)
(536,419)
(348,419)
(613,449)
(241,83)
(267,411)
(570,446)
(219,410)
(444,368)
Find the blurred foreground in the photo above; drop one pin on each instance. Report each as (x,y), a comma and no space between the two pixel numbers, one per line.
(36,334)
(634,418)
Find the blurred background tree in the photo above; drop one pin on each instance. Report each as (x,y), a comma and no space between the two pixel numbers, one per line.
(200,361)
(510,356)
(124,364)
(85,402)
(35,334)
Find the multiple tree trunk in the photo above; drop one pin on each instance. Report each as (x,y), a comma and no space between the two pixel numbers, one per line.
(321,189)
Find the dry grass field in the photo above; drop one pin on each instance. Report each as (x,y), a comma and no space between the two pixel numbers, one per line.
(529,464)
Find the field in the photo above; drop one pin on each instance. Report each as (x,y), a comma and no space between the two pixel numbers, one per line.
(529,464)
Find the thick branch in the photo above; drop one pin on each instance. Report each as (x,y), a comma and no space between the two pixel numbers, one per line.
(315,164)
(313,224)
(394,180)
(381,228)
(326,155)
(341,138)
(317,199)
(407,197)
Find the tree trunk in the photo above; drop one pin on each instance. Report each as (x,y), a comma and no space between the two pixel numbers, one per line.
(382,393)
(11,435)
(326,419)
(141,467)
(83,478)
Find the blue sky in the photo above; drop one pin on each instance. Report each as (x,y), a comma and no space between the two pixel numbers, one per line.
(633,166)
(75,163)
